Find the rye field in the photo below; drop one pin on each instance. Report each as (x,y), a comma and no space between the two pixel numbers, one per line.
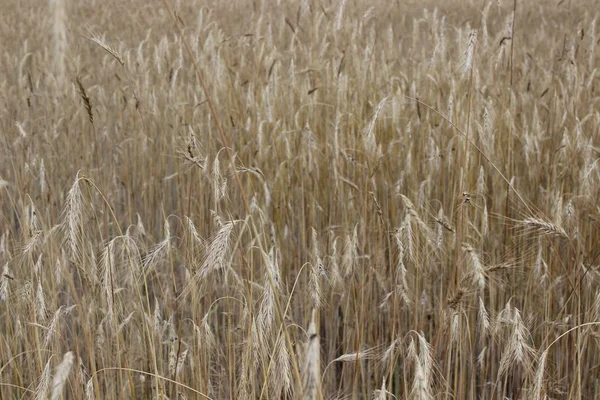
(316,199)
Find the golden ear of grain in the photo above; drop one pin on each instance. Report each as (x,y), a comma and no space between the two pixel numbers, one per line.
(42,388)
(86,100)
(423,362)
(367,354)
(312,362)
(538,382)
(61,375)
(73,219)
(282,382)
(4,280)
(469,54)
(533,224)
(110,50)
(40,303)
(518,350)
(382,393)
(89,390)
(484,317)
(216,254)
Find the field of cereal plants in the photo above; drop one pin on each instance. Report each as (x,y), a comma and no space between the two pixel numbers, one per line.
(317,199)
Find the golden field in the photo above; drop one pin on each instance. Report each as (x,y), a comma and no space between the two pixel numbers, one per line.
(314,199)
